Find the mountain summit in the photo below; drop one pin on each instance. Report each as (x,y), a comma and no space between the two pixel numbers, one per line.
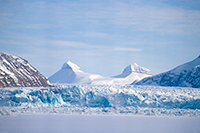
(70,73)
(187,66)
(133,68)
(131,73)
(70,65)
(185,75)
(17,72)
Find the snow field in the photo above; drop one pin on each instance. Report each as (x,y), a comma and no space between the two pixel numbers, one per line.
(98,124)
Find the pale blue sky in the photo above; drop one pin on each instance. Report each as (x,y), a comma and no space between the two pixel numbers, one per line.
(101,37)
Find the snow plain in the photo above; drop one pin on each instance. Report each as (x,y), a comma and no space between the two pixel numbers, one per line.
(98,124)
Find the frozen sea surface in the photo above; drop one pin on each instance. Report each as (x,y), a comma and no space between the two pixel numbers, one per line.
(98,124)
(101,100)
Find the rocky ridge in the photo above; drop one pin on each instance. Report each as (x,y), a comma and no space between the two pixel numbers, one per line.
(17,72)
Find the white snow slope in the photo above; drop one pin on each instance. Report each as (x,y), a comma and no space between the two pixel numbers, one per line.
(72,74)
(185,75)
(98,124)
(131,73)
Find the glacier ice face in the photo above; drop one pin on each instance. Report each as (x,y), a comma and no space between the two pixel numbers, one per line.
(103,98)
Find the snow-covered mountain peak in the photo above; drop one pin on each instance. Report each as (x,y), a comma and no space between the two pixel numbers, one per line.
(131,68)
(72,74)
(70,65)
(185,75)
(135,68)
(187,66)
(5,58)
(132,73)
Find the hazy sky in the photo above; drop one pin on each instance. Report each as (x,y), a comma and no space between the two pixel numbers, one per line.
(101,37)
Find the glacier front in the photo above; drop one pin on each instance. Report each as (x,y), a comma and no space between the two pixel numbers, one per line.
(101,99)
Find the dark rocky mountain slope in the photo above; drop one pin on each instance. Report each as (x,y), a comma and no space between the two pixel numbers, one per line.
(186,75)
(17,72)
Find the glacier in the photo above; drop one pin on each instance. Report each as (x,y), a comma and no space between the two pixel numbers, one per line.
(101,99)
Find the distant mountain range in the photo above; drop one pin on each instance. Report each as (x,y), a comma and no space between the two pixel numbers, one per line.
(17,72)
(72,74)
(185,75)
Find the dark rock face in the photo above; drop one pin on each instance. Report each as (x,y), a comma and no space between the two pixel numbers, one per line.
(190,79)
(193,77)
(17,72)
(186,75)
